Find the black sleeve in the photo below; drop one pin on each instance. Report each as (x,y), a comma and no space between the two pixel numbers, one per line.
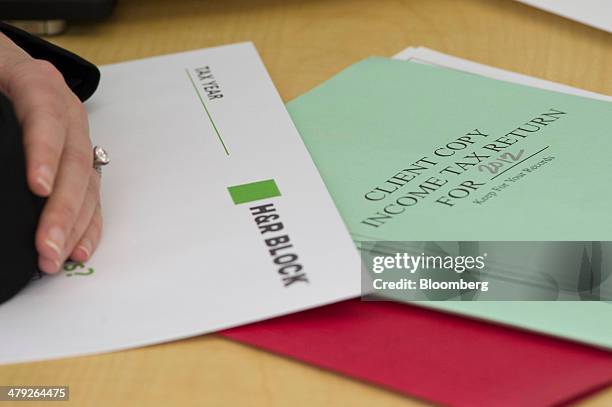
(19,208)
(80,75)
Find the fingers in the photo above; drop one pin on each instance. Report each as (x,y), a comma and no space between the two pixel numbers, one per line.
(90,204)
(43,142)
(90,239)
(86,232)
(41,99)
(67,201)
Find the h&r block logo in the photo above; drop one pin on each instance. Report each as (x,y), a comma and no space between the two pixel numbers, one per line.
(276,239)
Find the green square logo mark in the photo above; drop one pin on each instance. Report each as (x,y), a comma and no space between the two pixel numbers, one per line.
(253,191)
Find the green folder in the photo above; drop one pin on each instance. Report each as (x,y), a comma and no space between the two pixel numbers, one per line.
(412,152)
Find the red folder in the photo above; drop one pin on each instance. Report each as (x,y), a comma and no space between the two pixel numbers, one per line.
(435,356)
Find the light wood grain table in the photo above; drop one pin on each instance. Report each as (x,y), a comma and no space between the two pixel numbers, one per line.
(302,43)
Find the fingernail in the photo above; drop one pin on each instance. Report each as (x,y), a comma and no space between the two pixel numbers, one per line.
(85,247)
(45,178)
(48,266)
(56,240)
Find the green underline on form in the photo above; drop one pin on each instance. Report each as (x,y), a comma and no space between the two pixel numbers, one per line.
(207,112)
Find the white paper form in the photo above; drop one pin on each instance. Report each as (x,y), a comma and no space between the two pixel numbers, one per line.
(215,215)
(429,56)
(595,13)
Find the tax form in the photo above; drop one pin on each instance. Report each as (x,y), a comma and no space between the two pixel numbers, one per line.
(215,215)
(579,321)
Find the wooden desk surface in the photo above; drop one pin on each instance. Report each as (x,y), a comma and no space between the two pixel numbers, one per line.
(302,43)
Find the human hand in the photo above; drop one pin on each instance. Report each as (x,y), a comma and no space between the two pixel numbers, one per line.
(59,161)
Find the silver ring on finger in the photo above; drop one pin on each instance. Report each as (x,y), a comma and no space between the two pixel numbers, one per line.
(100,159)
